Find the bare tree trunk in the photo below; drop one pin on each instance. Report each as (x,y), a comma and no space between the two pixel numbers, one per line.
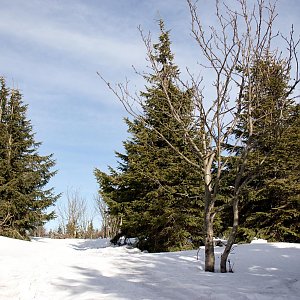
(209,244)
(209,216)
(232,236)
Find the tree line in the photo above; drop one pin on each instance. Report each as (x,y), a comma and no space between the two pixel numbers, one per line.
(218,160)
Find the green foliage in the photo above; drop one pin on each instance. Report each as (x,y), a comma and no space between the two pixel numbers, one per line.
(23,172)
(155,190)
(272,207)
(158,195)
(264,105)
(270,202)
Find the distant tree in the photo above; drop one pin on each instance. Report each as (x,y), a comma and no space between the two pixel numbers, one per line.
(40,231)
(59,230)
(110,224)
(24,173)
(73,215)
(156,192)
(90,231)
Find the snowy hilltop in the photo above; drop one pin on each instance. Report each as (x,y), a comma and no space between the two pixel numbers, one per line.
(47,269)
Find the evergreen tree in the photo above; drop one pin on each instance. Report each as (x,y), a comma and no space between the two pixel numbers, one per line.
(23,172)
(156,191)
(271,209)
(90,231)
(271,199)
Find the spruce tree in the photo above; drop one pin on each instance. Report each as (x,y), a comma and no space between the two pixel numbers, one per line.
(270,200)
(23,171)
(155,190)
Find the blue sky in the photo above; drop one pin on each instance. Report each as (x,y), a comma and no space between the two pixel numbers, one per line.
(51,50)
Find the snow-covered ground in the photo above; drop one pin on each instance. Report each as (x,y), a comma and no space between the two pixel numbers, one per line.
(89,269)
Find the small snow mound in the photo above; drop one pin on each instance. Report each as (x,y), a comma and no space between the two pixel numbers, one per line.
(259,241)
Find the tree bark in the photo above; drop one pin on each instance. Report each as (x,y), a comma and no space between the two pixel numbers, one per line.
(209,244)
(232,236)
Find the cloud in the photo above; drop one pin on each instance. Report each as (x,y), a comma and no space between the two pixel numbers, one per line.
(72,44)
(53,53)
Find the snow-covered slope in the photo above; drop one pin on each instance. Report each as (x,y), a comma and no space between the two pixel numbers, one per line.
(47,269)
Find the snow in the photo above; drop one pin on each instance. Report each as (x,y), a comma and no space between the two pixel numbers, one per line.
(47,269)
(258,241)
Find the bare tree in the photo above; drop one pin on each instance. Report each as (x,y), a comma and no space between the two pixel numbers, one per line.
(73,215)
(39,231)
(242,36)
(110,224)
